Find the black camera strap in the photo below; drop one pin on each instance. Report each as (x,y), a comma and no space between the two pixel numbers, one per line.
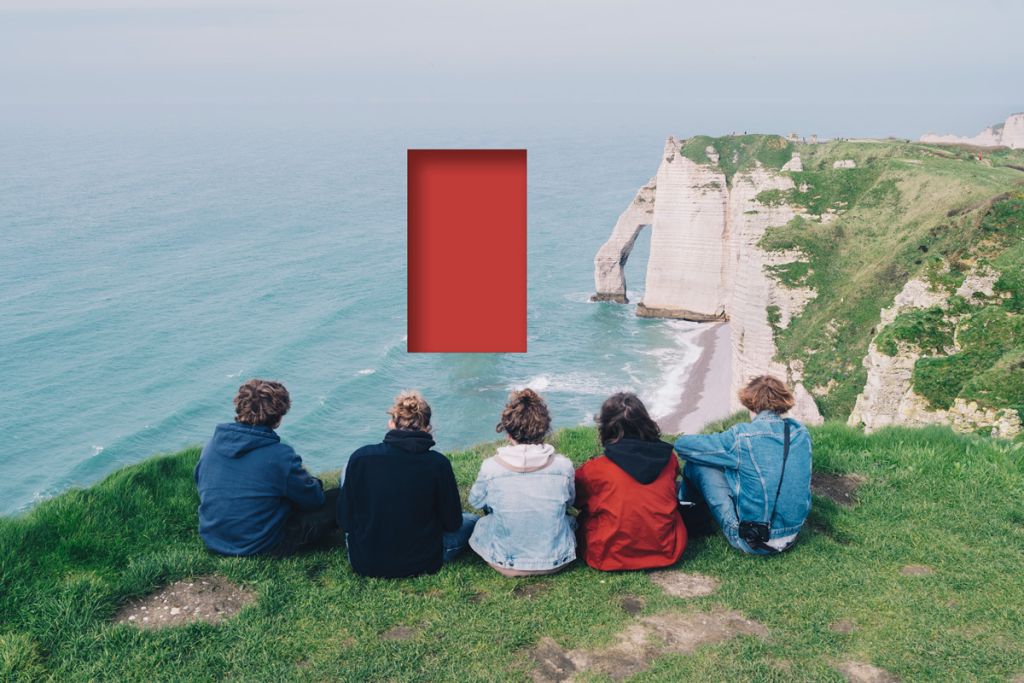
(778,490)
(785,457)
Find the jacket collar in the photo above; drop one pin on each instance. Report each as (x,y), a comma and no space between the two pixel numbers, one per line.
(525,457)
(769,415)
(642,460)
(410,440)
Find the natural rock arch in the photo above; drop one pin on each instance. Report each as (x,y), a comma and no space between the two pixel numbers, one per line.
(609,276)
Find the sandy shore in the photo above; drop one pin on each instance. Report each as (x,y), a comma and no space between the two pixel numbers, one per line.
(705,393)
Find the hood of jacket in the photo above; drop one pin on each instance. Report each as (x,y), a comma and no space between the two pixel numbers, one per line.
(235,440)
(409,440)
(526,457)
(642,460)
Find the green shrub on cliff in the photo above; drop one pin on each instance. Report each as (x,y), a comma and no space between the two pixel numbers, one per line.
(739,152)
(907,210)
(931,498)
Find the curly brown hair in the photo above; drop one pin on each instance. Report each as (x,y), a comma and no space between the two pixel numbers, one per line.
(625,415)
(411,411)
(767,393)
(525,417)
(261,402)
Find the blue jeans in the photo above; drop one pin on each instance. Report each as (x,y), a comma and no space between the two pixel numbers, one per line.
(709,483)
(456,541)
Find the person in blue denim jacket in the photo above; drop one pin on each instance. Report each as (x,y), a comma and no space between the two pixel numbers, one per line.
(737,476)
(525,489)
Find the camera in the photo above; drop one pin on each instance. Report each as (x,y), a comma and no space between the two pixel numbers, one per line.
(754,533)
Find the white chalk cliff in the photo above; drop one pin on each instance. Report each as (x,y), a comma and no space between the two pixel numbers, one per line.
(1010,134)
(705,262)
(889,398)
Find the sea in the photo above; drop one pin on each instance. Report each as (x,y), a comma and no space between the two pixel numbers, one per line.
(148,269)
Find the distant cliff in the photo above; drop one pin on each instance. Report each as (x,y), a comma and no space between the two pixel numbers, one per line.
(801,247)
(1010,134)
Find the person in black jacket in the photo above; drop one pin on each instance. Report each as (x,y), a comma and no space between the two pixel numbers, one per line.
(399,503)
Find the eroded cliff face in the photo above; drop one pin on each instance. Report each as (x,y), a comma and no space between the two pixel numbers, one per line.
(686,270)
(609,278)
(889,398)
(1010,134)
(705,262)
(753,292)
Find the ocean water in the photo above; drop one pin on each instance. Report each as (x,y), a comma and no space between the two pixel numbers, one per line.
(145,272)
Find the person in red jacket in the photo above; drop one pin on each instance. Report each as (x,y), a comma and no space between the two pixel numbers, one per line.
(629,514)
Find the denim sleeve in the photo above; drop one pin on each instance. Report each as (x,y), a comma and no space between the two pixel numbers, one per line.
(581,487)
(448,502)
(302,488)
(570,492)
(478,493)
(715,450)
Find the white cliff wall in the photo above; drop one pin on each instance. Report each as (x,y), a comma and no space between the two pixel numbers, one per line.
(689,243)
(753,290)
(1009,134)
(705,262)
(889,398)
(609,278)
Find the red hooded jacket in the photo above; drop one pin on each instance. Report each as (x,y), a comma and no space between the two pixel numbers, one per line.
(629,514)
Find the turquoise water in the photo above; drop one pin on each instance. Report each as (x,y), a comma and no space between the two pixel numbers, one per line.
(147,272)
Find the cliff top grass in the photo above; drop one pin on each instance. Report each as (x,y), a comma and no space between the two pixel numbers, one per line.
(920,578)
(738,152)
(904,210)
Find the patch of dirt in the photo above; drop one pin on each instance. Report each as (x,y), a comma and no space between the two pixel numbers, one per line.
(684,585)
(916,570)
(476,597)
(860,672)
(530,590)
(400,633)
(842,626)
(632,605)
(210,599)
(642,642)
(839,488)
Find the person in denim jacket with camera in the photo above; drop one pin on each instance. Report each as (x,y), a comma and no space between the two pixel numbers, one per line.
(737,476)
(525,489)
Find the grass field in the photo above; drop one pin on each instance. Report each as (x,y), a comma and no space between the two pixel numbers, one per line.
(933,498)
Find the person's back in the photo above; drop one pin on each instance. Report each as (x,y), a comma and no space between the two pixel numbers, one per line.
(757,489)
(249,482)
(525,489)
(629,515)
(399,501)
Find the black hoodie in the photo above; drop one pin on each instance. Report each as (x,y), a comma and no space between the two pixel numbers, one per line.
(642,460)
(396,501)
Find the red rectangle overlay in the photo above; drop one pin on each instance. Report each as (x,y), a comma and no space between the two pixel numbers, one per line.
(467,250)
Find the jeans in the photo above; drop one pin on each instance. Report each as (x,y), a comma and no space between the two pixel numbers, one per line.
(708,489)
(456,541)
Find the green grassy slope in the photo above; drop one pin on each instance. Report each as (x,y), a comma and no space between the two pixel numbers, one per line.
(907,210)
(934,498)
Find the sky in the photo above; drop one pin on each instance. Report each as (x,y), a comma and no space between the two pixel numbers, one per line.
(833,68)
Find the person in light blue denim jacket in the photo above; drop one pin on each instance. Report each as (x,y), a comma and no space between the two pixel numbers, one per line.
(525,489)
(737,473)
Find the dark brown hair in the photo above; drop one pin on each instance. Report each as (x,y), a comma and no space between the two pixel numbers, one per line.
(625,415)
(411,411)
(767,393)
(261,402)
(525,418)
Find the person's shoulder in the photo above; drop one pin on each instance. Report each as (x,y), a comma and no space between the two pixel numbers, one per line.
(563,464)
(490,467)
(368,451)
(438,459)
